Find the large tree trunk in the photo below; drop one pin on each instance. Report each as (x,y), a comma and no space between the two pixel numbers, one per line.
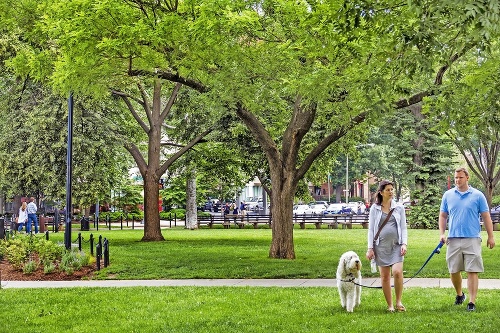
(282,195)
(152,230)
(191,213)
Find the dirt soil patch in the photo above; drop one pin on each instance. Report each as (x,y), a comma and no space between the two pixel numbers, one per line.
(9,273)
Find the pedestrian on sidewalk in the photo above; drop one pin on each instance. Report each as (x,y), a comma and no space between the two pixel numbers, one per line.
(460,208)
(32,209)
(387,239)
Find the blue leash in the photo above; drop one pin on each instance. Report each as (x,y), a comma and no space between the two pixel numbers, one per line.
(436,250)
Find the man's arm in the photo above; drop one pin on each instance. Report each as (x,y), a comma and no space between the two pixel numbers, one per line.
(443,218)
(488,225)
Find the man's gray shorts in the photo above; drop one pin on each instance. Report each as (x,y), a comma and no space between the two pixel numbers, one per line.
(464,254)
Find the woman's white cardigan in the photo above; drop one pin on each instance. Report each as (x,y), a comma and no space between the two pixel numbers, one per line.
(374,221)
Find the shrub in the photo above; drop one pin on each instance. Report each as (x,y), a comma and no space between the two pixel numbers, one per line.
(495,200)
(178,213)
(49,268)
(30,267)
(73,260)
(48,252)
(17,251)
(22,252)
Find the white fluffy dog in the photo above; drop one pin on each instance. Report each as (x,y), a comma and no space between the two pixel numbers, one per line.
(349,271)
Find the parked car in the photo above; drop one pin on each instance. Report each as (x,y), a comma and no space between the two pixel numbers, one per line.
(208,206)
(316,209)
(357,207)
(254,204)
(336,208)
(300,209)
(495,212)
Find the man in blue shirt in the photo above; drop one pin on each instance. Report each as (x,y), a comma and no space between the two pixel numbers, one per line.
(461,207)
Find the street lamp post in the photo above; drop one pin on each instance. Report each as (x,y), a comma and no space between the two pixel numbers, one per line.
(347,171)
(347,178)
(328,183)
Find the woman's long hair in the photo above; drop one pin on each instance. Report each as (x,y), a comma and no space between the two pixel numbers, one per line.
(381,187)
(23,206)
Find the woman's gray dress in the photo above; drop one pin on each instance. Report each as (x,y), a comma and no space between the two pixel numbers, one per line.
(388,250)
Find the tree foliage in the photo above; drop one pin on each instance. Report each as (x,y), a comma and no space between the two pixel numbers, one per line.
(468,113)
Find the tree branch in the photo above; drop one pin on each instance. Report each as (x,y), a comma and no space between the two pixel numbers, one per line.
(198,86)
(171,101)
(417,98)
(327,141)
(131,108)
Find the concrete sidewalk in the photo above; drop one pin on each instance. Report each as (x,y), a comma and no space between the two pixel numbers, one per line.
(369,282)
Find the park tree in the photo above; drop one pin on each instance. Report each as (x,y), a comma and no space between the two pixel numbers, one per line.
(33,146)
(468,113)
(128,50)
(325,68)
(300,75)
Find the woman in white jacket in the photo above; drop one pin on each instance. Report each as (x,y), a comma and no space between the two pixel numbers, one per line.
(389,248)
(22,218)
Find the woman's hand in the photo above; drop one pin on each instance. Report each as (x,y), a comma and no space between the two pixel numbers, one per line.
(403,250)
(370,254)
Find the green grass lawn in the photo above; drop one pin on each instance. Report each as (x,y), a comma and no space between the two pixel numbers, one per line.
(233,253)
(236,309)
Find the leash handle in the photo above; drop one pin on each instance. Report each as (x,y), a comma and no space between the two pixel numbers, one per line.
(438,248)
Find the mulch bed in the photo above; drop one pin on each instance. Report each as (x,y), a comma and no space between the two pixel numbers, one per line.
(9,273)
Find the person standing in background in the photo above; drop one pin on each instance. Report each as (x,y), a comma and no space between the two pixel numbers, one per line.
(32,209)
(243,208)
(22,217)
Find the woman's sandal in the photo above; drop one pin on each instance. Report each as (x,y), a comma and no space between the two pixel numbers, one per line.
(400,308)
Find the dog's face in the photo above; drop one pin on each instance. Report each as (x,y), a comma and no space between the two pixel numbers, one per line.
(351,262)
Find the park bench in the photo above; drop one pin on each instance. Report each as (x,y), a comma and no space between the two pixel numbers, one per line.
(495,218)
(254,220)
(302,220)
(345,220)
(212,220)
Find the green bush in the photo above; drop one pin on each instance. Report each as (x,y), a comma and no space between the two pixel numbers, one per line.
(48,252)
(73,260)
(30,267)
(495,200)
(204,214)
(178,213)
(16,251)
(22,250)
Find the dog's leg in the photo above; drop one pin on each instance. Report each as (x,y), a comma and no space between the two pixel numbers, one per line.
(342,297)
(349,303)
(358,295)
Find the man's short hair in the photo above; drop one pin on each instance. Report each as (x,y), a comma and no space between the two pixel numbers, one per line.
(464,170)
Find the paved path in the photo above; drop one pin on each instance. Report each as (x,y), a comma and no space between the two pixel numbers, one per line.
(425,283)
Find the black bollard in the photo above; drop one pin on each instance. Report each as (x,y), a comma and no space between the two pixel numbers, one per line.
(106,252)
(47,235)
(91,240)
(98,256)
(79,241)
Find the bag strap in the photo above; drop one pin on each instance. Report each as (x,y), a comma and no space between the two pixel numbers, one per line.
(383,224)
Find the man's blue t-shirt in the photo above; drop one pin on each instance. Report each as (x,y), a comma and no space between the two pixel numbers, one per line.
(463,212)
